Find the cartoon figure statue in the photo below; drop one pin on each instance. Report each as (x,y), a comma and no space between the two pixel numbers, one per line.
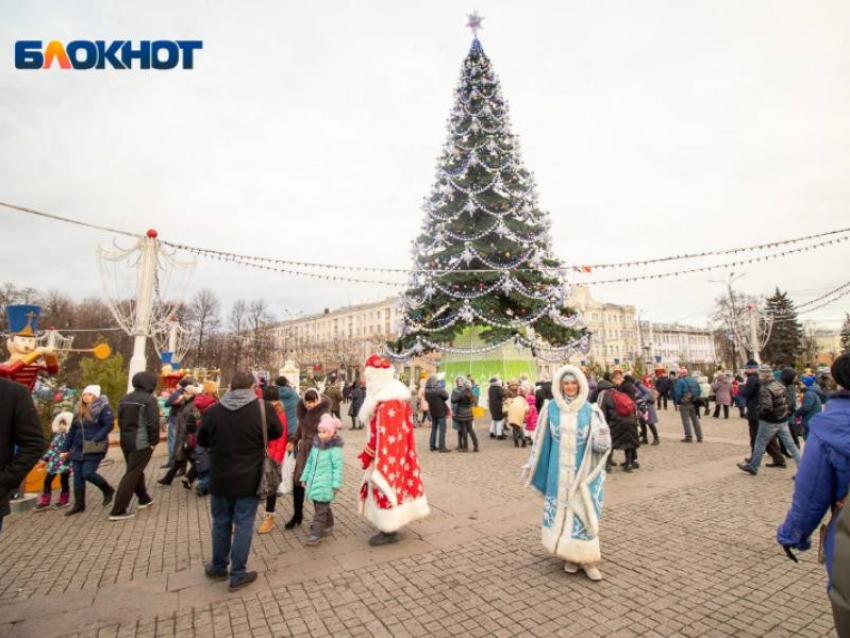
(21,366)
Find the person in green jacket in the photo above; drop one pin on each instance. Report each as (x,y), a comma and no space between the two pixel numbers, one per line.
(322,476)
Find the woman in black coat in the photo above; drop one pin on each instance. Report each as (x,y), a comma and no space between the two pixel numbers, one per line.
(357,395)
(495,401)
(624,428)
(463,399)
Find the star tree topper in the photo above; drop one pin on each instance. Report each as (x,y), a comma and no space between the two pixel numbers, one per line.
(474,22)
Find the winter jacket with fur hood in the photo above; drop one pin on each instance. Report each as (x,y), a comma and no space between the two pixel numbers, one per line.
(138,415)
(97,428)
(308,428)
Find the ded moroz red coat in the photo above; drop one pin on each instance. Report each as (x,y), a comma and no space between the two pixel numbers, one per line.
(392,494)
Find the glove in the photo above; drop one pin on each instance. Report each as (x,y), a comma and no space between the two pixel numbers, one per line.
(789,553)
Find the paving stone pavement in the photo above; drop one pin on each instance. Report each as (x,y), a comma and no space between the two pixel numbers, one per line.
(687,545)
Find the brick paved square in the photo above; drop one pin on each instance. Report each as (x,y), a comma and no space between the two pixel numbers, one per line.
(687,546)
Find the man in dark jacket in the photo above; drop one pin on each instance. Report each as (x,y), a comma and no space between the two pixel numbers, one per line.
(19,427)
(232,430)
(787,378)
(750,394)
(663,385)
(138,422)
(496,401)
(436,398)
(773,420)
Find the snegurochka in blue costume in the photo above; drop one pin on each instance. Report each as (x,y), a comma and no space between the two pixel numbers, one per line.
(567,466)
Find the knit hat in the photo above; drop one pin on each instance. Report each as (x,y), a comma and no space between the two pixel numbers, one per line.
(808,381)
(92,389)
(210,387)
(329,424)
(765,369)
(752,365)
(841,371)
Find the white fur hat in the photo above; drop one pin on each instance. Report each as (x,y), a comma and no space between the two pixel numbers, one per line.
(92,389)
(67,417)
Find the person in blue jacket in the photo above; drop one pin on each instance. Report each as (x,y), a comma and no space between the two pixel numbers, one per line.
(289,401)
(686,393)
(93,421)
(809,406)
(823,479)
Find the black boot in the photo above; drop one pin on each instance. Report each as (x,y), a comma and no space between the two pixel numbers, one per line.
(655,439)
(383,538)
(298,503)
(79,503)
(108,493)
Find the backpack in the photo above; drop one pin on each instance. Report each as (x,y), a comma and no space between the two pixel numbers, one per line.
(688,396)
(623,403)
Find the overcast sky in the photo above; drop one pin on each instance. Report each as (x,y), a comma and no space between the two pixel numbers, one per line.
(311,130)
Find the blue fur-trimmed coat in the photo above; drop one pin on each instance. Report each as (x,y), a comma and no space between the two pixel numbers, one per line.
(567,466)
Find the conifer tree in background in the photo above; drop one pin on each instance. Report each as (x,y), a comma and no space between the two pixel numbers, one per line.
(483,258)
(845,334)
(786,337)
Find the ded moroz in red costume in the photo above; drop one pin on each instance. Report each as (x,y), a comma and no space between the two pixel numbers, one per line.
(392,494)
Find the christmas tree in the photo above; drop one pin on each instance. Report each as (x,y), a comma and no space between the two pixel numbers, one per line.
(845,334)
(483,266)
(786,335)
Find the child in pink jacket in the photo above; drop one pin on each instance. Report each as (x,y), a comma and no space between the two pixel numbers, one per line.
(531,417)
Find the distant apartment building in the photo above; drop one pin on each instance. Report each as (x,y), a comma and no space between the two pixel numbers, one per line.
(342,338)
(674,344)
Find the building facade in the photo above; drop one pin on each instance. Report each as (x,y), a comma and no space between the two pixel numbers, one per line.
(616,339)
(673,344)
(342,339)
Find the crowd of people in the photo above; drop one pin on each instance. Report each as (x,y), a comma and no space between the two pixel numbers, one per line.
(257,441)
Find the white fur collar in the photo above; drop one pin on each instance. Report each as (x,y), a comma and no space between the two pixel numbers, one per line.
(395,389)
(583,388)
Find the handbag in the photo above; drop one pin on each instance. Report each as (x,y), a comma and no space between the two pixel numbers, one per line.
(824,529)
(287,472)
(93,447)
(270,478)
